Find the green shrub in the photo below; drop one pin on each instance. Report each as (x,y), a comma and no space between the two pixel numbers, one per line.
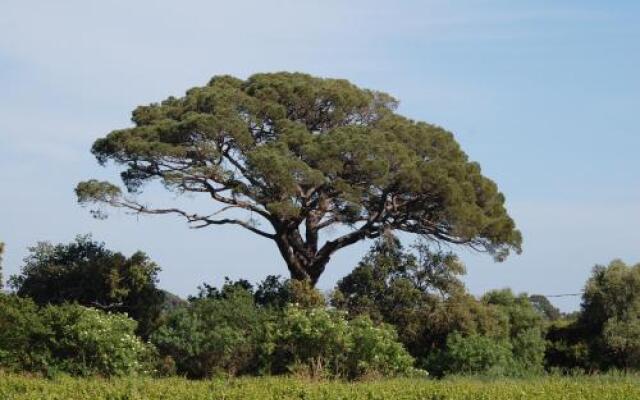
(474,354)
(87,273)
(525,329)
(214,335)
(70,339)
(273,292)
(86,341)
(313,341)
(23,336)
(376,350)
(528,348)
(321,342)
(610,319)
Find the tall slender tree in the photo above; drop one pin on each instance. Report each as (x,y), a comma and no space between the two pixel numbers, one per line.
(302,155)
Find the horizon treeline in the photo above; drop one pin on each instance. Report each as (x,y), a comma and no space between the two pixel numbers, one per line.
(82,309)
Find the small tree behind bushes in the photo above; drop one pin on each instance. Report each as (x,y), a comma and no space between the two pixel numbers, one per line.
(87,273)
(443,327)
(606,333)
(214,335)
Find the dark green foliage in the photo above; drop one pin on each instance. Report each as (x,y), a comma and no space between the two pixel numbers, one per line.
(515,346)
(475,354)
(389,279)
(23,336)
(273,292)
(303,154)
(420,295)
(605,334)
(86,272)
(525,328)
(567,349)
(610,317)
(226,332)
(544,307)
(70,339)
(221,334)
(207,291)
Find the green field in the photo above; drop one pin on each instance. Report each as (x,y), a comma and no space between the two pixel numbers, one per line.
(596,388)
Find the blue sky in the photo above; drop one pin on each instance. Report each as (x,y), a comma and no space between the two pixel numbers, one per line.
(544,94)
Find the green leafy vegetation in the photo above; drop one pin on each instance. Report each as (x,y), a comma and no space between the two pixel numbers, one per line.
(304,155)
(214,335)
(606,333)
(400,312)
(549,388)
(300,155)
(70,339)
(227,332)
(87,273)
(441,325)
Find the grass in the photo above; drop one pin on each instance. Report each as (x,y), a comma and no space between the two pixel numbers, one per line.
(13,387)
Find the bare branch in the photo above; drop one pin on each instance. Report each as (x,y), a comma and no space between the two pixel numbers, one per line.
(202,220)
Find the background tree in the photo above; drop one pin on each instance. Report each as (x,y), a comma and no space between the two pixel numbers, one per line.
(610,317)
(420,294)
(86,272)
(544,307)
(273,292)
(221,333)
(305,154)
(525,328)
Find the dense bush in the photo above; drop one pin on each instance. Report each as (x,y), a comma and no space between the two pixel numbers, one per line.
(566,348)
(376,350)
(87,273)
(474,354)
(86,341)
(321,342)
(525,328)
(23,336)
(214,335)
(420,294)
(69,338)
(226,332)
(396,309)
(605,334)
(310,341)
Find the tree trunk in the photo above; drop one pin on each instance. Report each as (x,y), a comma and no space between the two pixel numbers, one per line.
(303,262)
